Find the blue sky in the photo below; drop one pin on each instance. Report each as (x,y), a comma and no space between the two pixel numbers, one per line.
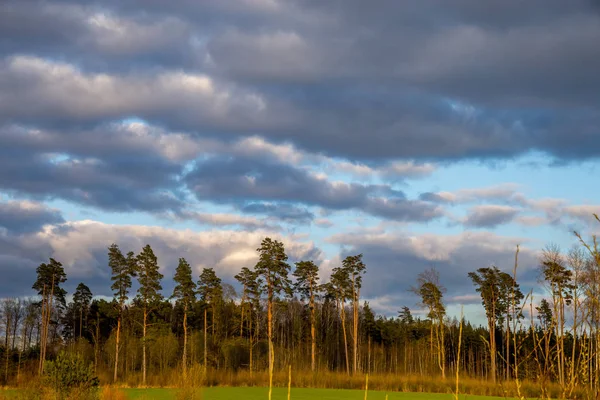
(421,134)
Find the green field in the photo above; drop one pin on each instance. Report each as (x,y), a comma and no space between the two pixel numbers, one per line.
(253,393)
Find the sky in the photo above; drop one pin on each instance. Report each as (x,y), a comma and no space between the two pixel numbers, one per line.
(422,134)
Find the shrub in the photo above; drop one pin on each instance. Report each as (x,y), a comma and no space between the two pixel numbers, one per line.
(70,374)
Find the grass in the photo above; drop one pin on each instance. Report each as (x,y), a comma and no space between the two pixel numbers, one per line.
(255,393)
(258,393)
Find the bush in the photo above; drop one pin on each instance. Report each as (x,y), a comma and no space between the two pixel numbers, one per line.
(70,375)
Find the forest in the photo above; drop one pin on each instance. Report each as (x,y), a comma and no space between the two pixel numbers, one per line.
(283,316)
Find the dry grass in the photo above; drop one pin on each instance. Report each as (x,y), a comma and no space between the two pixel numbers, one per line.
(379,382)
(112,393)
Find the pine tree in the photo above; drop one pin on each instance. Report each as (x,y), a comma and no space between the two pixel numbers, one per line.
(47,284)
(185,293)
(339,289)
(251,292)
(355,268)
(307,284)
(488,282)
(81,300)
(211,293)
(245,278)
(148,294)
(273,267)
(122,270)
(432,297)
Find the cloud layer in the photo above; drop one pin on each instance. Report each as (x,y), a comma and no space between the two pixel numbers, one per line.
(330,125)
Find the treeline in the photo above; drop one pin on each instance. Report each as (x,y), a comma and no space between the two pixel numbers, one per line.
(284,315)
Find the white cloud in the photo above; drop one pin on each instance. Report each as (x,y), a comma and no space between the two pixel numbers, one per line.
(57,88)
(78,245)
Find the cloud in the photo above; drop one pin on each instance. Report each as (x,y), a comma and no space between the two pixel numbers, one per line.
(304,74)
(281,211)
(243,179)
(225,219)
(394,259)
(505,192)
(489,216)
(81,246)
(21,217)
(58,92)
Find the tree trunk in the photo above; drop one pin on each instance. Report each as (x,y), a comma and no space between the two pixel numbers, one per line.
(205,341)
(492,328)
(270,337)
(242,304)
(117,339)
(144,346)
(313,338)
(21,353)
(354,325)
(6,342)
(343,315)
(185,338)
(96,342)
(46,325)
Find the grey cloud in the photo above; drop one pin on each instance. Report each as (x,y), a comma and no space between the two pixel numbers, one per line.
(60,94)
(76,246)
(490,216)
(117,185)
(26,217)
(282,211)
(505,193)
(104,168)
(395,259)
(446,83)
(225,219)
(238,180)
(434,197)
(94,37)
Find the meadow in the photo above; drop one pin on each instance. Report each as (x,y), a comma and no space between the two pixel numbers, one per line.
(256,393)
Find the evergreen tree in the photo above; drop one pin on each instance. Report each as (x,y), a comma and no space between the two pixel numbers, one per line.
(307,284)
(122,270)
(245,278)
(489,284)
(211,293)
(148,294)
(185,293)
(47,284)
(251,294)
(339,289)
(273,267)
(355,268)
(81,300)
(405,316)
(432,297)
(544,314)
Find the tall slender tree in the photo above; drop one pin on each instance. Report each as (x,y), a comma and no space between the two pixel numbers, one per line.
(355,268)
(493,286)
(338,288)
(148,294)
(245,278)
(559,280)
(431,292)
(47,284)
(251,296)
(307,284)
(82,299)
(273,267)
(122,270)
(211,293)
(185,293)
